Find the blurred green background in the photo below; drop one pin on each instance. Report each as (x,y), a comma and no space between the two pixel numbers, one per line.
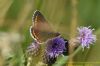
(16,18)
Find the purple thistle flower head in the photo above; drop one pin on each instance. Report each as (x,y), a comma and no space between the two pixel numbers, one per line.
(33,48)
(55,46)
(86,36)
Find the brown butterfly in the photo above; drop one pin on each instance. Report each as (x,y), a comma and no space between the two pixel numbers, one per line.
(41,29)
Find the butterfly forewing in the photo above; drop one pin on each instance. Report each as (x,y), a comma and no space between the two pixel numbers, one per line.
(41,29)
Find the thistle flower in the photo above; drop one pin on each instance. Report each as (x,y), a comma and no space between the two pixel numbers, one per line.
(33,48)
(55,47)
(48,60)
(86,36)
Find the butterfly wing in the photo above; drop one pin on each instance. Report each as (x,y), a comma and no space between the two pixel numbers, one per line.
(41,29)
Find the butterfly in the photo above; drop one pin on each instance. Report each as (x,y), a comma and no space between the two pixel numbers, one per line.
(41,29)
